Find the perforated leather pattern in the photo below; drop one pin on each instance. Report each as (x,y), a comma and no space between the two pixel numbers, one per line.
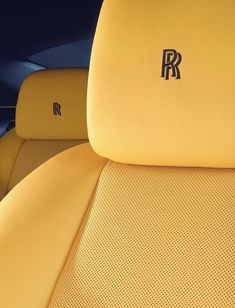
(155,237)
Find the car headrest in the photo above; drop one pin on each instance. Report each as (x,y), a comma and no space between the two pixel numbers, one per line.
(52,105)
(162,84)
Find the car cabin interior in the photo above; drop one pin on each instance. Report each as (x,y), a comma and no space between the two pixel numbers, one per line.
(117,155)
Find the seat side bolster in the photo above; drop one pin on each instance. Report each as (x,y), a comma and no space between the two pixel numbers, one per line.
(39,219)
(10,145)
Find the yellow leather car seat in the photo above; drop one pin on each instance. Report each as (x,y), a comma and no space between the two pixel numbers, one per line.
(50,117)
(146,217)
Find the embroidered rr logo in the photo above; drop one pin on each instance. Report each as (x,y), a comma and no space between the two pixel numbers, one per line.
(171,60)
(56,109)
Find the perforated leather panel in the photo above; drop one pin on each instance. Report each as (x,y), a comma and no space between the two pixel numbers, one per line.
(155,237)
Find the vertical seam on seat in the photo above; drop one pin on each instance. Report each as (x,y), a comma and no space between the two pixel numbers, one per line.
(79,232)
(13,165)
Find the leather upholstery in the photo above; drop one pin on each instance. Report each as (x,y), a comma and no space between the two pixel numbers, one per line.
(155,237)
(39,133)
(10,145)
(175,122)
(85,231)
(39,220)
(38,118)
(36,152)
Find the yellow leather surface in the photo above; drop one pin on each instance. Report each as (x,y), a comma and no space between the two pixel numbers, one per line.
(141,118)
(155,237)
(35,152)
(39,219)
(35,118)
(10,145)
(152,236)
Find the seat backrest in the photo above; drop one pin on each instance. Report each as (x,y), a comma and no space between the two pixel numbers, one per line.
(149,221)
(50,118)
